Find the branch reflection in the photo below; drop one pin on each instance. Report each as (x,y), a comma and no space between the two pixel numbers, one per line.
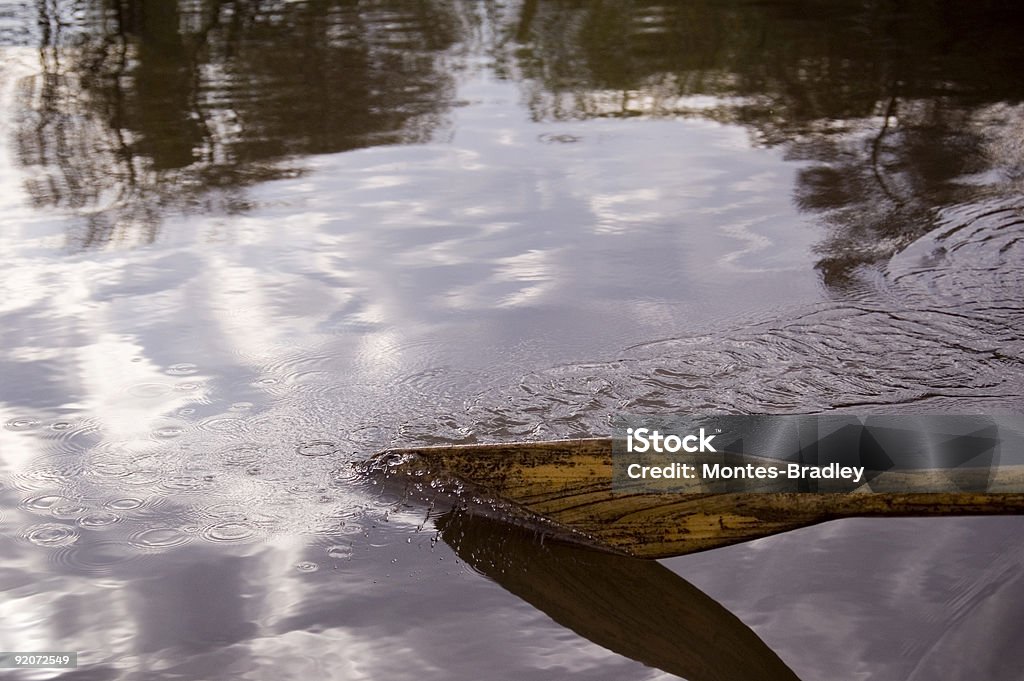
(143,107)
(896,109)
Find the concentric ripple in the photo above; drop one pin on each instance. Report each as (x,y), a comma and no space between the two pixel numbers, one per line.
(230,531)
(159,538)
(69,510)
(76,436)
(41,503)
(22,424)
(98,520)
(245,454)
(96,558)
(51,534)
(124,504)
(47,473)
(182,369)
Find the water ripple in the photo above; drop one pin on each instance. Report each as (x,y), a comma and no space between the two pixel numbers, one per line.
(98,520)
(158,538)
(47,473)
(96,558)
(941,325)
(51,534)
(72,437)
(183,369)
(41,503)
(230,531)
(124,504)
(22,424)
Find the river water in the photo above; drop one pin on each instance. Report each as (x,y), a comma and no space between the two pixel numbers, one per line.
(246,245)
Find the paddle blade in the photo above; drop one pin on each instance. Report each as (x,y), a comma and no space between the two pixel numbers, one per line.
(636,608)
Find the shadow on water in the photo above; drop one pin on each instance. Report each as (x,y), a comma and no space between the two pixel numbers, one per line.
(635,608)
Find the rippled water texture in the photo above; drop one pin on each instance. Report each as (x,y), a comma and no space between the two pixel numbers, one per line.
(245,245)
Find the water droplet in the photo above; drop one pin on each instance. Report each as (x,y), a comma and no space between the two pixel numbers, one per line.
(51,534)
(183,369)
(307,566)
(350,529)
(61,425)
(339,551)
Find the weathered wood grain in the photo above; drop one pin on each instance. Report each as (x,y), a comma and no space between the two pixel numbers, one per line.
(570,483)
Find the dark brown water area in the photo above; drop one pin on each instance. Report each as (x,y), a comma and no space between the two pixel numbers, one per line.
(245,245)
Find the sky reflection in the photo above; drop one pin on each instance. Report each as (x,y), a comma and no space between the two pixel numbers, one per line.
(246,244)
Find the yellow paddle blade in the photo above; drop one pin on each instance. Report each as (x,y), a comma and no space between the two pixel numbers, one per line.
(569,483)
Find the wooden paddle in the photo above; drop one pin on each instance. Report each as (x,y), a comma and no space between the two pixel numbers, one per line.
(567,487)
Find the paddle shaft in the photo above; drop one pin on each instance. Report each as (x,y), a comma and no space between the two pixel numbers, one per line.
(570,483)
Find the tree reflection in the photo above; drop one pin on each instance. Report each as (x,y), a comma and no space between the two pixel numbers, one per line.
(897,108)
(894,109)
(142,106)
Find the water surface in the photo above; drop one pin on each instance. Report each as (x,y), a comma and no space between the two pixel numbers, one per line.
(246,244)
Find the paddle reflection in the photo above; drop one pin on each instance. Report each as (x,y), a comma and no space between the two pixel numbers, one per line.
(636,608)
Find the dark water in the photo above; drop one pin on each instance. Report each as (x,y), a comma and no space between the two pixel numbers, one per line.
(246,244)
